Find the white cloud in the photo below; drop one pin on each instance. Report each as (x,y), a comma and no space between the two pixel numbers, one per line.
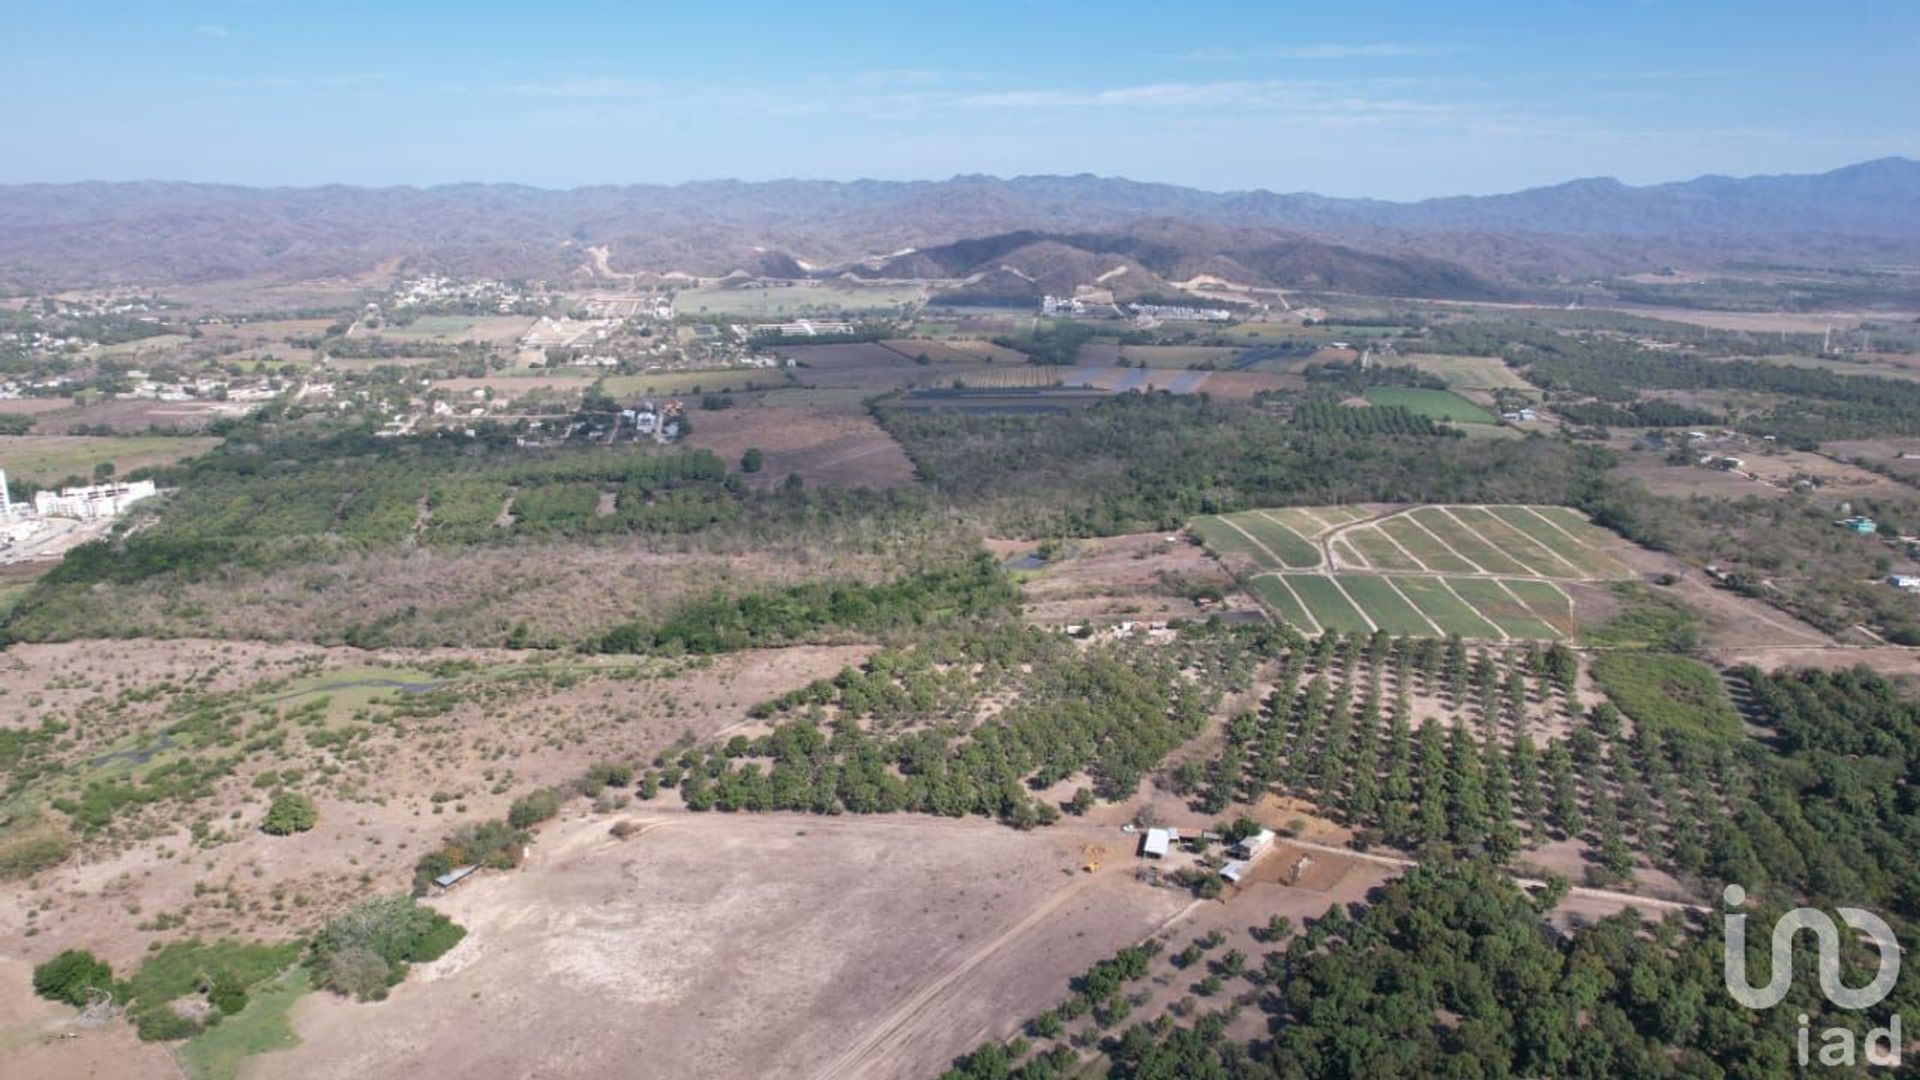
(213,31)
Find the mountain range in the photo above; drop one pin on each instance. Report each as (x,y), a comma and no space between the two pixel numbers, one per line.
(1051,231)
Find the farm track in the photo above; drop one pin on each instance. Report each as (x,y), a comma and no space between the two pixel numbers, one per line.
(874,1053)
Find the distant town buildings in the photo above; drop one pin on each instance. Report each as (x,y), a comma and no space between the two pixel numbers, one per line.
(1179,313)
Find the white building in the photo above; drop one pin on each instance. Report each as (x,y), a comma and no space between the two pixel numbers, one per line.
(1254,846)
(1157,843)
(89,503)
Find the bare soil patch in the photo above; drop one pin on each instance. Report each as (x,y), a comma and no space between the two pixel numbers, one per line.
(744,946)
(827,446)
(132,416)
(1140,576)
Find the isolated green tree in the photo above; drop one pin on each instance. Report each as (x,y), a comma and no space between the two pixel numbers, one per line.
(290,813)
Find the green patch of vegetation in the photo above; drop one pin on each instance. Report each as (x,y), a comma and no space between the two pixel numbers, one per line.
(72,977)
(803,612)
(1435,404)
(1372,420)
(225,971)
(492,844)
(1667,691)
(534,807)
(219,1052)
(290,813)
(368,950)
(1647,620)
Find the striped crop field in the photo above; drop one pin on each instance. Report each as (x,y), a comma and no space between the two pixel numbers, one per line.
(1488,573)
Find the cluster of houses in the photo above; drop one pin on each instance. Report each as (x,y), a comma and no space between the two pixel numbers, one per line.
(1157,843)
(436,291)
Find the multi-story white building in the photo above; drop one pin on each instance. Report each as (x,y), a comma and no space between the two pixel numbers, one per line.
(89,503)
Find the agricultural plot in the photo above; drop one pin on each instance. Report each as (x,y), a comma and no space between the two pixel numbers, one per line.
(1469,372)
(712,381)
(1386,606)
(1445,608)
(1376,548)
(1438,404)
(1330,607)
(49,459)
(1481,572)
(780,301)
(1274,546)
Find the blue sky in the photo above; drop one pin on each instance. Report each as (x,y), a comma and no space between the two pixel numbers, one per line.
(1393,100)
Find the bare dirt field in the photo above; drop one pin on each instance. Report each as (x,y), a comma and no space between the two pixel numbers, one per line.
(874,366)
(1687,480)
(1890,660)
(771,945)
(514,386)
(1900,456)
(33,406)
(827,446)
(1765,322)
(1762,474)
(1142,576)
(133,416)
(1839,478)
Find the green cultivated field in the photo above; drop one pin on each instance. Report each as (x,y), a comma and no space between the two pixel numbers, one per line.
(1438,404)
(1224,539)
(1539,561)
(1389,610)
(1550,533)
(1466,544)
(1272,590)
(1448,611)
(1330,609)
(1378,550)
(1547,601)
(1483,572)
(1284,549)
(1500,607)
(1424,546)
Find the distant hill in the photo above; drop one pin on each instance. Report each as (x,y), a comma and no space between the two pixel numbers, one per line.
(152,232)
(1146,257)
